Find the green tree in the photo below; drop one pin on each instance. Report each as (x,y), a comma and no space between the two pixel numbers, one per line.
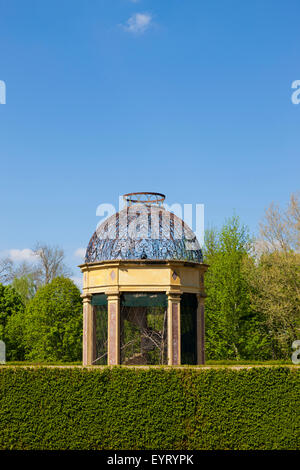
(11,309)
(274,275)
(53,323)
(233,329)
(25,287)
(275,291)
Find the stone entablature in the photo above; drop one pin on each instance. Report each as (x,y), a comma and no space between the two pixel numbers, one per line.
(143,276)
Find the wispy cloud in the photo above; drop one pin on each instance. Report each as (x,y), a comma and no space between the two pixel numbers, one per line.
(138,23)
(80,253)
(21,255)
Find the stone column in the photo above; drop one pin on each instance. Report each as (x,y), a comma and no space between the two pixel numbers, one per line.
(113,305)
(174,339)
(200,330)
(89,332)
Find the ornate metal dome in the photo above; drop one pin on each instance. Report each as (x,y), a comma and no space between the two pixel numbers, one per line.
(144,230)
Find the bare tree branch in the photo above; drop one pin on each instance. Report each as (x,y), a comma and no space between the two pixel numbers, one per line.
(279,229)
(6,270)
(51,262)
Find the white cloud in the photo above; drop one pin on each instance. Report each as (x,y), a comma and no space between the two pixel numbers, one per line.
(22,255)
(138,23)
(80,253)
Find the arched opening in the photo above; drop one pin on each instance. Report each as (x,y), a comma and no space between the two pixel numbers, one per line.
(188,327)
(143,328)
(100,317)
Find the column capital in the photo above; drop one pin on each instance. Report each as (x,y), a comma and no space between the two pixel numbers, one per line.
(112,295)
(174,296)
(86,298)
(201,296)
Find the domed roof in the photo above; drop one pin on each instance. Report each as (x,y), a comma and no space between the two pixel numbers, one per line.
(144,230)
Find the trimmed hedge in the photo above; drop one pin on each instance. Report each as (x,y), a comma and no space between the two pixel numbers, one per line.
(124,408)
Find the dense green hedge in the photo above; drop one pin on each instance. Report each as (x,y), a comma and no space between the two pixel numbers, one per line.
(122,408)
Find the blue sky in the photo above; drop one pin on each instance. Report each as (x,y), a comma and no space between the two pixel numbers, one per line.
(190,98)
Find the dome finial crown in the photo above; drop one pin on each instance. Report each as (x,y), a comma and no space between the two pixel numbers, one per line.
(147,198)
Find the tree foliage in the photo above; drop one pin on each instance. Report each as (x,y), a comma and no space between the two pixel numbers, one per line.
(274,275)
(52,328)
(11,309)
(25,287)
(234,329)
